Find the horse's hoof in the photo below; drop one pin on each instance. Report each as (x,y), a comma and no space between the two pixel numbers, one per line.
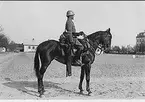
(41,93)
(81,92)
(89,93)
(44,91)
(41,96)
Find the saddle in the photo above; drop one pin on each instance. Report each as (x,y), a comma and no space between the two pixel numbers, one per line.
(65,45)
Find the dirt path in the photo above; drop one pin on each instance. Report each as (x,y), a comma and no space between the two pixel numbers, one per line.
(121,81)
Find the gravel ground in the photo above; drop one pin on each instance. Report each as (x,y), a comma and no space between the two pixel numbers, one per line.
(112,77)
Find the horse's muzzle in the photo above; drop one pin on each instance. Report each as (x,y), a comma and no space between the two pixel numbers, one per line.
(107,47)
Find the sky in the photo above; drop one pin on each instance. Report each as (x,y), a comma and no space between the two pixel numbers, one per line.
(42,20)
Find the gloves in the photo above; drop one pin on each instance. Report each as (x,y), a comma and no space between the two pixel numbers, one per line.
(82,33)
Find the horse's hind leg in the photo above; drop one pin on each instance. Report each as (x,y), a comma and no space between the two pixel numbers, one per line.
(45,64)
(40,79)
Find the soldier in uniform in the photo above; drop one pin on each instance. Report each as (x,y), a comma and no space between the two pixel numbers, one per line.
(71,31)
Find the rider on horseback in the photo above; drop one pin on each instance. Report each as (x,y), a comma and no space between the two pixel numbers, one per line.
(71,31)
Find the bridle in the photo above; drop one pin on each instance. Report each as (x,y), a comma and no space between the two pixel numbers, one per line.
(99,46)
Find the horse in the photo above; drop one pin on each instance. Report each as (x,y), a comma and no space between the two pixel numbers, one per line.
(50,50)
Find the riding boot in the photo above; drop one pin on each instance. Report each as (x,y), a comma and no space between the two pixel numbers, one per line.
(68,63)
(68,71)
(68,67)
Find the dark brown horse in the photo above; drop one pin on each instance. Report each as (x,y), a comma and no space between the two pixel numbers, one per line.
(51,49)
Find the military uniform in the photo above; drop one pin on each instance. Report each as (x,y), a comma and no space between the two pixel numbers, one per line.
(70,29)
(70,32)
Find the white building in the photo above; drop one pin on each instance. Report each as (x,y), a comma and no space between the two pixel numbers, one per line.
(140,42)
(2,49)
(29,48)
(140,38)
(30,45)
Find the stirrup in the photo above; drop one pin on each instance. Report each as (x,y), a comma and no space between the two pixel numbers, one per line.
(78,62)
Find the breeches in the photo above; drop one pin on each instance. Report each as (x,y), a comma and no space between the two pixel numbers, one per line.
(75,41)
(69,37)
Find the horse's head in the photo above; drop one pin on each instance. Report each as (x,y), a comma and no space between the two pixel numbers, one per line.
(105,40)
(101,39)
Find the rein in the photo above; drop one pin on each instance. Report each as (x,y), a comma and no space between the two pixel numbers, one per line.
(99,48)
(93,47)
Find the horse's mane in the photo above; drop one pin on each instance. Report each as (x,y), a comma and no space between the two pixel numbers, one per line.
(94,35)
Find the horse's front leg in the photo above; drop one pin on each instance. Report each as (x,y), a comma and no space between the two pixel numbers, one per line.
(87,71)
(81,79)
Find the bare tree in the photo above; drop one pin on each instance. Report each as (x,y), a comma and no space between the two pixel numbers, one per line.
(4,40)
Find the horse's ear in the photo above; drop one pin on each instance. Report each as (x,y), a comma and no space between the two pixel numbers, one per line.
(108,30)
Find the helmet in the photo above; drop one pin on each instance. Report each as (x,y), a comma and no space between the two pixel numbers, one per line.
(70,13)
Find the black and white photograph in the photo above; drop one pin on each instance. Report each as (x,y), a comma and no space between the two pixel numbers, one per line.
(72,50)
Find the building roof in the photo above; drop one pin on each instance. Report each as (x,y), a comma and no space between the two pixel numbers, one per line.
(140,35)
(30,42)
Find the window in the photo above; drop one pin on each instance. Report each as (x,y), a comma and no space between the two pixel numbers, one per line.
(138,40)
(29,47)
(33,47)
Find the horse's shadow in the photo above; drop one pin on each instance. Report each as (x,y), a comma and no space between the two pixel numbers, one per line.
(30,87)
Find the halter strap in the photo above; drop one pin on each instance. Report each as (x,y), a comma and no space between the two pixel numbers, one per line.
(96,48)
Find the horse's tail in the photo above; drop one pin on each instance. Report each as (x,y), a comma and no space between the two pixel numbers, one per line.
(36,63)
